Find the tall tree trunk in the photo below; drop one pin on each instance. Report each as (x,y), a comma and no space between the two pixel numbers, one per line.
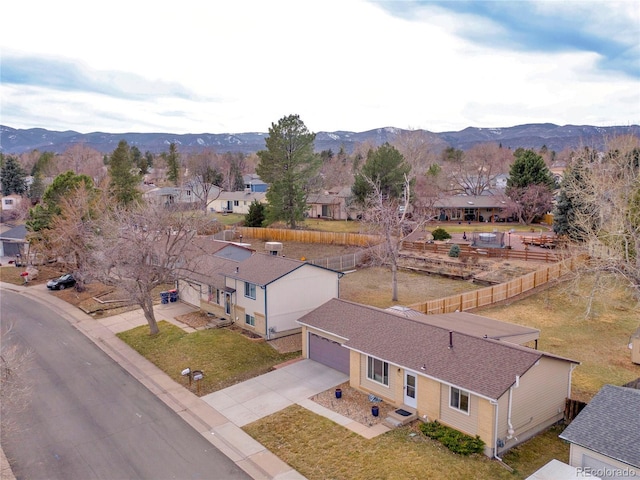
(147,308)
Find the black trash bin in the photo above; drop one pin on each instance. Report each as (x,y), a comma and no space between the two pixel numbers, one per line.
(375,411)
(164,297)
(173,295)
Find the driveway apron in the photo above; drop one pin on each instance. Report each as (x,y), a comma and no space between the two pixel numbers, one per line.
(261,396)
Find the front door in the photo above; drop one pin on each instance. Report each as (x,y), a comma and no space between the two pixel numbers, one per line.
(410,389)
(227,303)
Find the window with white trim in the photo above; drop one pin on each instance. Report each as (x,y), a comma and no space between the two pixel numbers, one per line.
(378,371)
(249,319)
(459,399)
(250,290)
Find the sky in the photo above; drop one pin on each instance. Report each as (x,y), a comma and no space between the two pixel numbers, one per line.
(235,66)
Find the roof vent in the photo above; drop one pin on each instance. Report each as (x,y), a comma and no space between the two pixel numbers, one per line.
(450,339)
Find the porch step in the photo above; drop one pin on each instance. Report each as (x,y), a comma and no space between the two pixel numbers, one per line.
(400,417)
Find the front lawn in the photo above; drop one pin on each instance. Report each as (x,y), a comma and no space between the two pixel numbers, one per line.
(225,356)
(320,449)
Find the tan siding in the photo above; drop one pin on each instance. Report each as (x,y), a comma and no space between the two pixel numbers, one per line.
(457,419)
(383,391)
(541,395)
(261,324)
(486,421)
(398,390)
(354,369)
(213,308)
(429,398)
(576,460)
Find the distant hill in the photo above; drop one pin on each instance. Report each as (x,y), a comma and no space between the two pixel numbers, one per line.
(14,141)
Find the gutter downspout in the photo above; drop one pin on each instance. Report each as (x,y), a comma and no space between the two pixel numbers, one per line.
(511,431)
(266,315)
(495,432)
(573,365)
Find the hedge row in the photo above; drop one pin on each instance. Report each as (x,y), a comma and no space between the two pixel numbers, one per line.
(454,440)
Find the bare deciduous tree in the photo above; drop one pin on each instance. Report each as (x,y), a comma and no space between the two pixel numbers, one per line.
(142,248)
(205,177)
(608,217)
(476,172)
(386,217)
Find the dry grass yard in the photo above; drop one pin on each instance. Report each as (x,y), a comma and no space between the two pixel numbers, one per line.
(599,342)
(372,286)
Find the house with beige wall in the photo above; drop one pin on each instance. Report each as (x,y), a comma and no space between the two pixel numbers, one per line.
(236,202)
(270,292)
(499,390)
(263,293)
(605,436)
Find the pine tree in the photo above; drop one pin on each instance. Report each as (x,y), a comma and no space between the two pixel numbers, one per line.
(256,215)
(173,164)
(13,177)
(125,178)
(287,165)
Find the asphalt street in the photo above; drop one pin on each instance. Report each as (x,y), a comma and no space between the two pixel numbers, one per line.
(86,418)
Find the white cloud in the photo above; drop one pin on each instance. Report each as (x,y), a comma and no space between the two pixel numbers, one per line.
(341,65)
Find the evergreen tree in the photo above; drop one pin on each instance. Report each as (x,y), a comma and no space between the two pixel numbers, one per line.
(12,177)
(287,165)
(573,206)
(125,178)
(63,185)
(385,167)
(173,164)
(37,188)
(527,169)
(256,215)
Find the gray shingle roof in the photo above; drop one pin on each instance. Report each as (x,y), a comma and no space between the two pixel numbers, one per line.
(484,366)
(471,324)
(263,269)
(609,425)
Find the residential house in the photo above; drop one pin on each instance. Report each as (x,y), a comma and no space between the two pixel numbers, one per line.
(236,202)
(265,294)
(170,196)
(200,283)
(11,202)
(501,391)
(331,204)
(605,436)
(269,293)
(476,208)
(253,183)
(13,242)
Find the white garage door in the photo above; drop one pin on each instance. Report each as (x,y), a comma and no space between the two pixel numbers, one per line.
(189,293)
(329,353)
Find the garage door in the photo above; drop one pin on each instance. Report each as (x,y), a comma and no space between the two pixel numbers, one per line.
(190,293)
(329,353)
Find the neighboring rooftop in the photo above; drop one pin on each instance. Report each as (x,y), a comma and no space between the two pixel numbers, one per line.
(609,425)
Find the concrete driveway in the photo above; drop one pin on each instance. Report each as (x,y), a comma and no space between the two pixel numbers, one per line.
(261,396)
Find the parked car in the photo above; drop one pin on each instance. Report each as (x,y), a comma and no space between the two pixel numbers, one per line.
(62,282)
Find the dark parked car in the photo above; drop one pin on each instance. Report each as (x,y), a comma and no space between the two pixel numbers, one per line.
(62,282)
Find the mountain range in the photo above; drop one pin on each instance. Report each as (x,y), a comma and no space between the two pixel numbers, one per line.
(535,136)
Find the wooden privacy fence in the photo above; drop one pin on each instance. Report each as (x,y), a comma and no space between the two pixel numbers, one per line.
(571,409)
(306,236)
(496,293)
(467,251)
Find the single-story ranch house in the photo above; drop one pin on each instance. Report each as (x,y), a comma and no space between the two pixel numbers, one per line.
(501,391)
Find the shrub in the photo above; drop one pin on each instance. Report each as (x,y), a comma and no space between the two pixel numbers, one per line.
(454,440)
(454,251)
(440,234)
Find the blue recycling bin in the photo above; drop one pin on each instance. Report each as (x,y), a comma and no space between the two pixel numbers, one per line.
(164,297)
(173,295)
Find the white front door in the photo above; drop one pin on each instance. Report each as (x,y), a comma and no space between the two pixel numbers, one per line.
(410,389)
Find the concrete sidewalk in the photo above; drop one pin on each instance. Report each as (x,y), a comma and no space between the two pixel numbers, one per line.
(247,453)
